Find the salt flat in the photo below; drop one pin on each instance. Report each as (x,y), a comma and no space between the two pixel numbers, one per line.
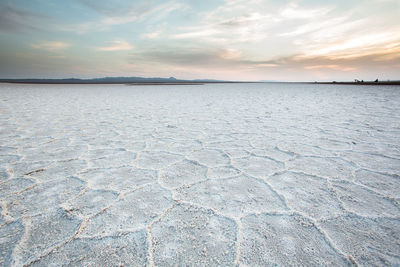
(227,174)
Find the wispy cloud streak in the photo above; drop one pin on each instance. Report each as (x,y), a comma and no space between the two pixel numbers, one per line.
(116,46)
(51,46)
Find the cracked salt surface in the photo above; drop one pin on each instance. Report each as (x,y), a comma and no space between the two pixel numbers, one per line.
(221,174)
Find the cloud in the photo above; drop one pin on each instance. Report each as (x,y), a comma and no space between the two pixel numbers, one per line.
(359,45)
(116,46)
(151,35)
(368,62)
(311,26)
(252,21)
(176,56)
(230,53)
(293,11)
(51,46)
(332,67)
(122,12)
(230,62)
(272,29)
(199,56)
(244,28)
(196,34)
(266,37)
(115,8)
(16,20)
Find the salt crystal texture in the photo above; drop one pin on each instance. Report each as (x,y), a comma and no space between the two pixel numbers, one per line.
(215,175)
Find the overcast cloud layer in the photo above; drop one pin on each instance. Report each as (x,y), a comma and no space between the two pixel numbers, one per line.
(236,39)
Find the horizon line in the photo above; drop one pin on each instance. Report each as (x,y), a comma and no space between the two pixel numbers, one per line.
(172,78)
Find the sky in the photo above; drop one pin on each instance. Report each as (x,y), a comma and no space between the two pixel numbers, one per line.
(246,40)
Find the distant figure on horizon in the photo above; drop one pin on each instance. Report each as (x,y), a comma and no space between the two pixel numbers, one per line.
(376,81)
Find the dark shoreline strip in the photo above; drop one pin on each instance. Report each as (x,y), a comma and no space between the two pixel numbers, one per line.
(358,83)
(193,83)
(137,84)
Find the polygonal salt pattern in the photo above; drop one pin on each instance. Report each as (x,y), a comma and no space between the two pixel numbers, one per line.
(373,162)
(259,167)
(181,173)
(161,144)
(210,157)
(283,240)
(187,235)
(118,179)
(20,169)
(184,147)
(10,235)
(363,201)
(44,232)
(236,152)
(218,174)
(233,197)
(90,202)
(60,170)
(98,153)
(134,211)
(44,196)
(14,185)
(273,153)
(222,172)
(114,159)
(387,185)
(332,168)
(307,194)
(128,249)
(380,148)
(304,149)
(56,151)
(232,143)
(135,146)
(369,241)
(333,145)
(54,145)
(157,160)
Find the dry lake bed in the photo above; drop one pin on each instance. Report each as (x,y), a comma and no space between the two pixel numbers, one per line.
(217,174)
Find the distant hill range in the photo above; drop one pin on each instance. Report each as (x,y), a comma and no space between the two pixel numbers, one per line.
(115,80)
(171,81)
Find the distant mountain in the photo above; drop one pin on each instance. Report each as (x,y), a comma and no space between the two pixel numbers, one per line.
(113,80)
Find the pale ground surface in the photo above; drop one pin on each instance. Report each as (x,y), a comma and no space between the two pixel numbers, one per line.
(237,174)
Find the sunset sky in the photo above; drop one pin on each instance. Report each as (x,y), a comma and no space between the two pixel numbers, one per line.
(234,39)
